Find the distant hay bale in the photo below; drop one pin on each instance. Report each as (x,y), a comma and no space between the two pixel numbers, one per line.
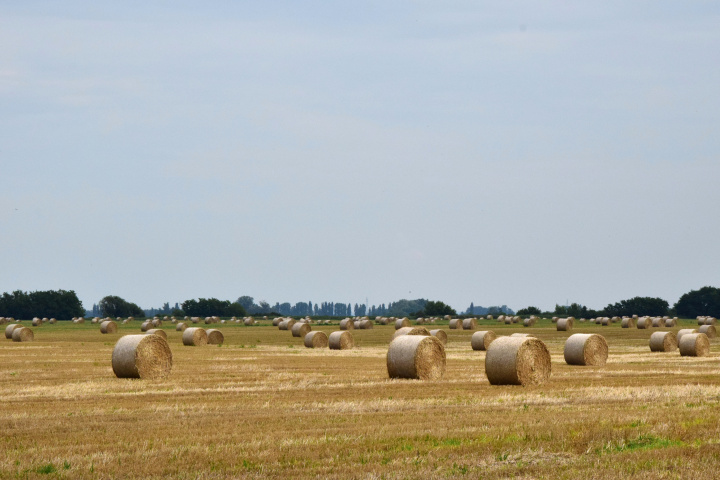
(517,361)
(529,322)
(417,330)
(469,324)
(401,322)
(36,322)
(341,340)
(454,324)
(157,331)
(663,342)
(523,335)
(440,335)
(366,324)
(215,337)
(79,320)
(156,322)
(644,322)
(708,330)
(684,331)
(195,319)
(565,324)
(383,321)
(145,326)
(347,324)
(316,339)
(9,330)
(628,322)
(287,324)
(300,329)
(180,327)
(108,326)
(482,340)
(416,356)
(605,322)
(658,322)
(276,321)
(710,320)
(489,317)
(194,337)
(142,356)
(691,345)
(586,349)
(22,334)
(249,321)
(508,320)
(52,321)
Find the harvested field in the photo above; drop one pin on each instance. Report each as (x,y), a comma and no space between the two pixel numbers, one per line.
(66,415)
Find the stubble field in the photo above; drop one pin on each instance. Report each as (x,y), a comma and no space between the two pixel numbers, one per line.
(264,406)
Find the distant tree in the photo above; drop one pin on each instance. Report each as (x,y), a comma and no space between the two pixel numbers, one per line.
(437,308)
(529,311)
(705,301)
(114,306)
(210,307)
(404,308)
(246,302)
(235,310)
(651,306)
(60,304)
(178,312)
(574,310)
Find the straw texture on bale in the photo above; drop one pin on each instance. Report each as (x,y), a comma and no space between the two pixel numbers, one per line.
(628,322)
(586,349)
(194,337)
(517,361)
(440,335)
(454,324)
(142,356)
(22,334)
(180,327)
(482,340)
(316,339)
(644,322)
(36,322)
(347,324)
(145,326)
(684,331)
(565,324)
(411,331)
(249,321)
(708,330)
(157,322)
(287,324)
(416,356)
(342,340)
(469,324)
(108,326)
(401,322)
(670,322)
(691,345)
(658,322)
(663,342)
(300,329)
(523,335)
(528,322)
(9,330)
(157,331)
(366,324)
(215,337)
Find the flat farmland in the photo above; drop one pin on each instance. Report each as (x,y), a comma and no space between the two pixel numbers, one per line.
(264,406)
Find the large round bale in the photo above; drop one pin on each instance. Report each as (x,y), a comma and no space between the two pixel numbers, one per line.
(565,324)
(300,329)
(157,331)
(691,345)
(529,322)
(36,322)
(195,319)
(142,356)
(347,324)
(663,342)
(382,320)
(157,323)
(517,361)
(628,322)
(145,326)
(52,321)
(316,339)
(9,330)
(108,326)
(708,330)
(644,322)
(482,340)
(215,337)
(22,334)
(180,327)
(249,321)
(287,324)
(440,335)
(416,356)
(195,337)
(586,349)
(605,322)
(684,331)
(366,324)
(523,335)
(342,340)
(658,322)
(418,330)
(454,324)
(469,324)
(670,322)
(401,323)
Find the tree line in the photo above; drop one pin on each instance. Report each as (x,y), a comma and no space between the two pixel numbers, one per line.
(59,304)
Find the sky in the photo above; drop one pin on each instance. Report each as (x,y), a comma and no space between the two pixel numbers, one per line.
(498,153)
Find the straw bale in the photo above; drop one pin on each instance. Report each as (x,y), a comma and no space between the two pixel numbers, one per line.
(366,324)
(36,322)
(691,345)
(347,324)
(708,330)
(341,340)
(9,330)
(215,337)
(658,322)
(157,331)
(523,335)
(454,324)
(628,322)
(565,324)
(249,321)
(316,339)
(145,326)
(469,324)
(644,322)
(529,322)
(300,329)
(417,357)
(440,334)
(517,361)
(286,324)
(142,356)
(418,330)
(401,322)
(22,334)
(108,326)
(180,327)
(194,336)
(663,342)
(481,340)
(684,331)
(586,349)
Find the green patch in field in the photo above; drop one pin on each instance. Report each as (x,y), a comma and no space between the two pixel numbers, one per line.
(643,442)
(46,469)
(638,423)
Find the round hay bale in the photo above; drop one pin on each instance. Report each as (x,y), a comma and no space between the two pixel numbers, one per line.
(586,349)
(663,342)
(482,340)
(383,321)
(454,324)
(300,329)
(36,322)
(708,330)
(366,324)
(215,337)
(142,356)
(628,322)
(108,326)
(469,324)
(523,335)
(401,322)
(52,321)
(691,345)
(316,339)
(418,330)
(22,334)
(180,327)
(194,337)
(517,361)
(440,335)
(287,324)
(684,331)
(157,331)
(605,322)
(9,330)
(342,340)
(564,324)
(347,324)
(209,320)
(249,321)
(276,321)
(528,322)
(195,319)
(157,323)
(145,326)
(644,322)
(658,322)
(710,320)
(416,356)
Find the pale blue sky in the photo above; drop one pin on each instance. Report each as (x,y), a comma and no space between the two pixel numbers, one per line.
(490,152)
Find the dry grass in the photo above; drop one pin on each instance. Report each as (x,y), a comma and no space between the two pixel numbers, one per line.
(294,412)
